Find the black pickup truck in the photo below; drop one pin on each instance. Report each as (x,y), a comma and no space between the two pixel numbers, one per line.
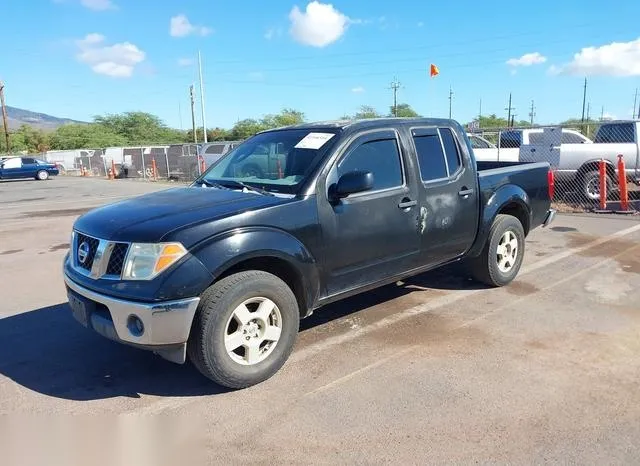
(221,271)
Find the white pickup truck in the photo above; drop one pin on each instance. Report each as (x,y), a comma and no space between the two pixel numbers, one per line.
(573,156)
(510,142)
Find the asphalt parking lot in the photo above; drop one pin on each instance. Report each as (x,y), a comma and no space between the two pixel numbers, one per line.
(434,370)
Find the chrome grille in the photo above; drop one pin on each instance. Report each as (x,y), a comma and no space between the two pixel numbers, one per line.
(104,259)
(116,261)
(93,244)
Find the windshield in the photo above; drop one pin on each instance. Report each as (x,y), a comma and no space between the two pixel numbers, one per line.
(277,161)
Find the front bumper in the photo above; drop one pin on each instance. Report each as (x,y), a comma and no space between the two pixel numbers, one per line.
(162,327)
(551,215)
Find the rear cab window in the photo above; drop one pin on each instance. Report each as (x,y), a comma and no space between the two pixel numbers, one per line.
(438,154)
(616,133)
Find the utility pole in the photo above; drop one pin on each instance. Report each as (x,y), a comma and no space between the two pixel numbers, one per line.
(204,119)
(395,85)
(450,100)
(509,109)
(635,101)
(602,114)
(193,115)
(5,118)
(480,111)
(584,98)
(532,113)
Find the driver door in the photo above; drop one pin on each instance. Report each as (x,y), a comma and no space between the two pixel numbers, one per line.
(371,235)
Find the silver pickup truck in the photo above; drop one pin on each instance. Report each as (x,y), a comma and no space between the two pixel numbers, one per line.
(576,165)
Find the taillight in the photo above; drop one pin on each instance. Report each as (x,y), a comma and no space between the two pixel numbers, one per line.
(551,180)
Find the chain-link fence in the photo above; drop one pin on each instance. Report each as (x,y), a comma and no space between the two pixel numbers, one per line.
(584,158)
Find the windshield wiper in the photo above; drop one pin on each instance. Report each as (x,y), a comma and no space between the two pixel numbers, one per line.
(240,184)
(210,184)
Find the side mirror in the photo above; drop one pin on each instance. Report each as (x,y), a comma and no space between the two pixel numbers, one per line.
(351,183)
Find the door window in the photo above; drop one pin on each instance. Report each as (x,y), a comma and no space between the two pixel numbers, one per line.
(381,157)
(28,161)
(431,157)
(450,150)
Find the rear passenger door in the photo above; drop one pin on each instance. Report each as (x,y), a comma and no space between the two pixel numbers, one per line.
(448,217)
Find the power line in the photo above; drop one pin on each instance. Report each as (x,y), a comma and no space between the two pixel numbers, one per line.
(584,98)
(532,113)
(204,119)
(509,109)
(5,118)
(431,46)
(193,115)
(394,86)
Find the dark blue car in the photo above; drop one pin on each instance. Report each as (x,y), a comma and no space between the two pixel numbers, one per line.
(26,167)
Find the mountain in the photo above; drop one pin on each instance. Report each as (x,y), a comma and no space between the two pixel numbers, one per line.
(18,117)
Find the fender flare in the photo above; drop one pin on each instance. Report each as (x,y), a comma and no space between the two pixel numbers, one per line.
(224,251)
(507,195)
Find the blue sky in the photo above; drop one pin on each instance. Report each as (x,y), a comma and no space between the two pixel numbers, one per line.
(79,58)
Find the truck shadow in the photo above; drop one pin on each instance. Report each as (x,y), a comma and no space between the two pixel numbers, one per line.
(48,352)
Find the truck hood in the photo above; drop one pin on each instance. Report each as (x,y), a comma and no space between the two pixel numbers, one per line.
(150,217)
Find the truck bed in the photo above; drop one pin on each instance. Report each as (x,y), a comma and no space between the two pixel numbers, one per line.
(531,177)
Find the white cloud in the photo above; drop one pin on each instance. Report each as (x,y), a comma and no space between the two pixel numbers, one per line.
(319,25)
(98,5)
(117,60)
(185,61)
(615,59)
(528,59)
(180,26)
(358,90)
(608,116)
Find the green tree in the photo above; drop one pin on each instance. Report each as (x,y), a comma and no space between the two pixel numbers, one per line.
(366,112)
(246,128)
(404,111)
(26,139)
(286,117)
(87,136)
(139,128)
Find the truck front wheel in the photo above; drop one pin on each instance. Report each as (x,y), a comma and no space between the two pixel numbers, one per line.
(244,329)
(501,258)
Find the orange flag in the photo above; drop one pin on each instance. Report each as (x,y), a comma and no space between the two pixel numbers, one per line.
(434,70)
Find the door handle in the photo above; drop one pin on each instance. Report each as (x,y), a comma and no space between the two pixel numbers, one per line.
(465,192)
(406,203)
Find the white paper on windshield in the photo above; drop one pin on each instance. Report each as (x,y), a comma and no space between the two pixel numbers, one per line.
(314,140)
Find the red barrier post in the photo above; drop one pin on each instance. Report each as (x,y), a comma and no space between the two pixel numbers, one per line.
(551,179)
(622,182)
(603,184)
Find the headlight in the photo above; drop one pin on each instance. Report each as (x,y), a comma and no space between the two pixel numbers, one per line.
(146,261)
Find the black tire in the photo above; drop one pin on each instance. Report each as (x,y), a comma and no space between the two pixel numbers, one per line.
(42,175)
(206,346)
(484,268)
(587,182)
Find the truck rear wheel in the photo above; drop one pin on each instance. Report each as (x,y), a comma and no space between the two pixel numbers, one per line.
(244,329)
(501,258)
